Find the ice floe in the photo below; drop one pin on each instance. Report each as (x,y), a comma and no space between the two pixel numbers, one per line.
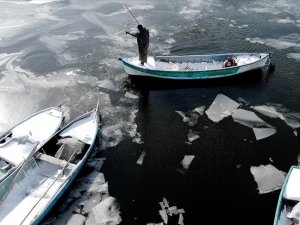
(141,158)
(249,119)
(221,107)
(193,135)
(260,128)
(292,119)
(107,212)
(167,210)
(261,133)
(294,55)
(185,163)
(191,117)
(268,178)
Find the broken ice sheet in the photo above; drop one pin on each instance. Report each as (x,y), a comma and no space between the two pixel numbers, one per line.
(191,119)
(269,111)
(221,107)
(292,119)
(268,178)
(249,119)
(192,135)
(164,216)
(107,212)
(261,133)
(141,158)
(76,219)
(180,220)
(185,163)
(131,95)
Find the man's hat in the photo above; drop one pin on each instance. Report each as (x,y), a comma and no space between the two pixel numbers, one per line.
(140,26)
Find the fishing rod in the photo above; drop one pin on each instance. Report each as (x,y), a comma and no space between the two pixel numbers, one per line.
(131,13)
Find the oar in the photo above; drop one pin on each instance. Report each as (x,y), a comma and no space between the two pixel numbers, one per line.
(61,172)
(131,13)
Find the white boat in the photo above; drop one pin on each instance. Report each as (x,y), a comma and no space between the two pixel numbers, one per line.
(47,174)
(288,205)
(196,67)
(17,143)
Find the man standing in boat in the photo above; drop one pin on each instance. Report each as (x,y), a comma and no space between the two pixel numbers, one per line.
(142,41)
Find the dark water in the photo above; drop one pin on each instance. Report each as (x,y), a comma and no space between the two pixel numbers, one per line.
(66,52)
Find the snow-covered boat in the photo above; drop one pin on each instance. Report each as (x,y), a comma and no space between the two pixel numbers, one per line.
(46,175)
(17,143)
(196,67)
(288,205)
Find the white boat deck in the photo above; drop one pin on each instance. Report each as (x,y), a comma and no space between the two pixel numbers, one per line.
(33,192)
(292,190)
(31,133)
(190,66)
(84,130)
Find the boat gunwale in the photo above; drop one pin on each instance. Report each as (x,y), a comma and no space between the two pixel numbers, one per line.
(68,181)
(280,197)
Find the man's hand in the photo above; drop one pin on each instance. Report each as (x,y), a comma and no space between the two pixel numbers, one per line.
(126,32)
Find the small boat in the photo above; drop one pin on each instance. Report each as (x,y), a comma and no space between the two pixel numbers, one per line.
(288,205)
(196,67)
(17,143)
(47,174)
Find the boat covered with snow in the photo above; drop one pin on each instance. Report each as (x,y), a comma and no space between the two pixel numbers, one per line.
(17,143)
(288,205)
(47,173)
(194,67)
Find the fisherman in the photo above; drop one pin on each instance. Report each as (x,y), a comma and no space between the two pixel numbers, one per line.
(142,41)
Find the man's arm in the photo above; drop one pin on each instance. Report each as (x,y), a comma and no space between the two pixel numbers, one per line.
(132,34)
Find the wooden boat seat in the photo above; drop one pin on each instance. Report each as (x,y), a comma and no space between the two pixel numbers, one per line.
(51,159)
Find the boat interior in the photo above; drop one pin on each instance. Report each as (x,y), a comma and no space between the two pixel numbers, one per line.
(197,63)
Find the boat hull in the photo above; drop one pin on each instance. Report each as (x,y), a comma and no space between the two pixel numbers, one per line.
(42,191)
(288,193)
(138,70)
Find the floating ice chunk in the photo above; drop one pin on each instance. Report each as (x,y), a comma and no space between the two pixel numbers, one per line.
(107,84)
(261,133)
(187,160)
(192,135)
(269,111)
(180,220)
(268,178)
(295,132)
(96,163)
(166,203)
(131,95)
(141,158)
(92,201)
(248,119)
(292,119)
(111,135)
(76,219)
(283,219)
(295,213)
(221,107)
(199,110)
(107,212)
(164,216)
(189,118)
